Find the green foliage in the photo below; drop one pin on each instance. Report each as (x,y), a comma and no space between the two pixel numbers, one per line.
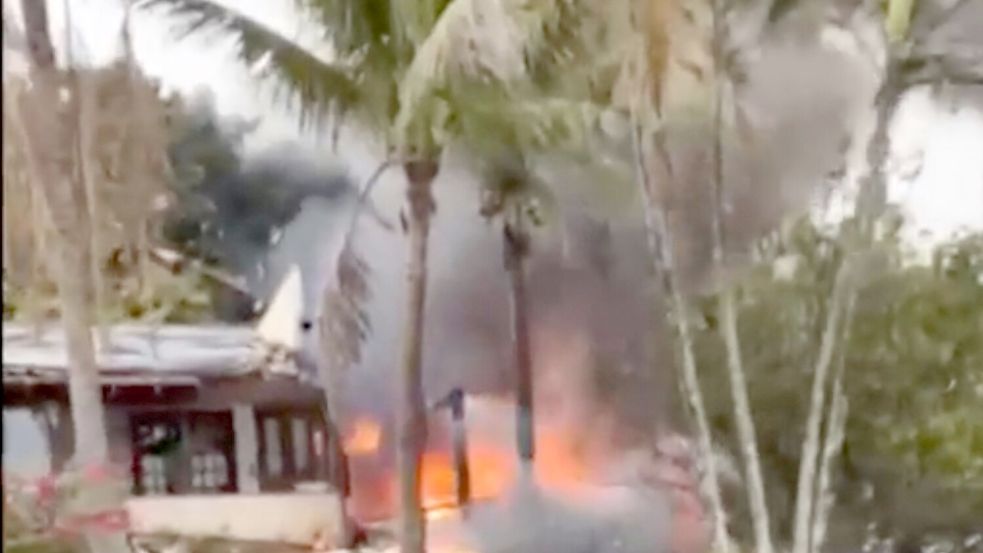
(912,369)
(183,297)
(417,70)
(898,16)
(917,347)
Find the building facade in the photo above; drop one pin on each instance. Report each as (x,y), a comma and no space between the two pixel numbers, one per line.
(189,409)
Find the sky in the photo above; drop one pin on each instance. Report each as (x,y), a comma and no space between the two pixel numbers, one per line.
(942,140)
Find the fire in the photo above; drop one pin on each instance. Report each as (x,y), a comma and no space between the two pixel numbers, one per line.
(365,439)
(493,465)
(493,468)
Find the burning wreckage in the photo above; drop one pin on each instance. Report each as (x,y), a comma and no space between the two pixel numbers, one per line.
(596,484)
(244,469)
(576,497)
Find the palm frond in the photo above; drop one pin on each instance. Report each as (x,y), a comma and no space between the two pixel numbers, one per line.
(315,83)
(477,45)
(358,26)
(497,118)
(510,182)
(780,8)
(897,19)
(344,322)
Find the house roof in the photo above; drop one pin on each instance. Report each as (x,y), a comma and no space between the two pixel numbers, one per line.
(164,354)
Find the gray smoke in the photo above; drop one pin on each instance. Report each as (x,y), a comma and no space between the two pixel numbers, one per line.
(589,272)
(602,364)
(468,335)
(799,104)
(613,519)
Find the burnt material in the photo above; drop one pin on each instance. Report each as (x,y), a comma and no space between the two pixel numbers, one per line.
(516,241)
(455,402)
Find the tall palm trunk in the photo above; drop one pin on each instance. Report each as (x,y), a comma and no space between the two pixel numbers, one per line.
(870,203)
(832,443)
(727,315)
(805,493)
(727,312)
(412,421)
(51,138)
(516,242)
(660,246)
(85,105)
(51,151)
(745,424)
(460,444)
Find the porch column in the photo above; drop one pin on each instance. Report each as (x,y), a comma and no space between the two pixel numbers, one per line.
(247,448)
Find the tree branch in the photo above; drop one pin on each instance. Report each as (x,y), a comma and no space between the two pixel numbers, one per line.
(317,83)
(963,70)
(176,262)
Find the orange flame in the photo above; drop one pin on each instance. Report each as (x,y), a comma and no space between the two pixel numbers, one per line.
(365,439)
(493,468)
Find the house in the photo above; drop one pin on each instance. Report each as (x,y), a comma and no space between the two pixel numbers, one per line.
(190,409)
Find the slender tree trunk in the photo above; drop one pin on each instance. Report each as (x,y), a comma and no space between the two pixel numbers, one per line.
(660,246)
(832,444)
(727,314)
(804,498)
(84,92)
(461,467)
(411,407)
(747,436)
(516,242)
(870,203)
(85,110)
(52,155)
(53,161)
(745,424)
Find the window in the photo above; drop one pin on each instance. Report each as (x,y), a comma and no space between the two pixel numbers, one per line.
(181,452)
(209,471)
(153,474)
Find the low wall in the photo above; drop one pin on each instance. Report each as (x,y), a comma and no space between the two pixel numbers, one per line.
(302,519)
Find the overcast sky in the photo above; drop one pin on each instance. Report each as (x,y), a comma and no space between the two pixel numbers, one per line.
(944,141)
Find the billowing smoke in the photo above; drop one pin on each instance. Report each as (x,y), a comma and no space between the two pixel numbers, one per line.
(614,519)
(608,308)
(254,216)
(602,361)
(589,275)
(796,110)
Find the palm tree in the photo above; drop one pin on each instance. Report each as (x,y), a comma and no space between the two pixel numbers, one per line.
(656,95)
(513,193)
(50,130)
(406,70)
(49,143)
(909,60)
